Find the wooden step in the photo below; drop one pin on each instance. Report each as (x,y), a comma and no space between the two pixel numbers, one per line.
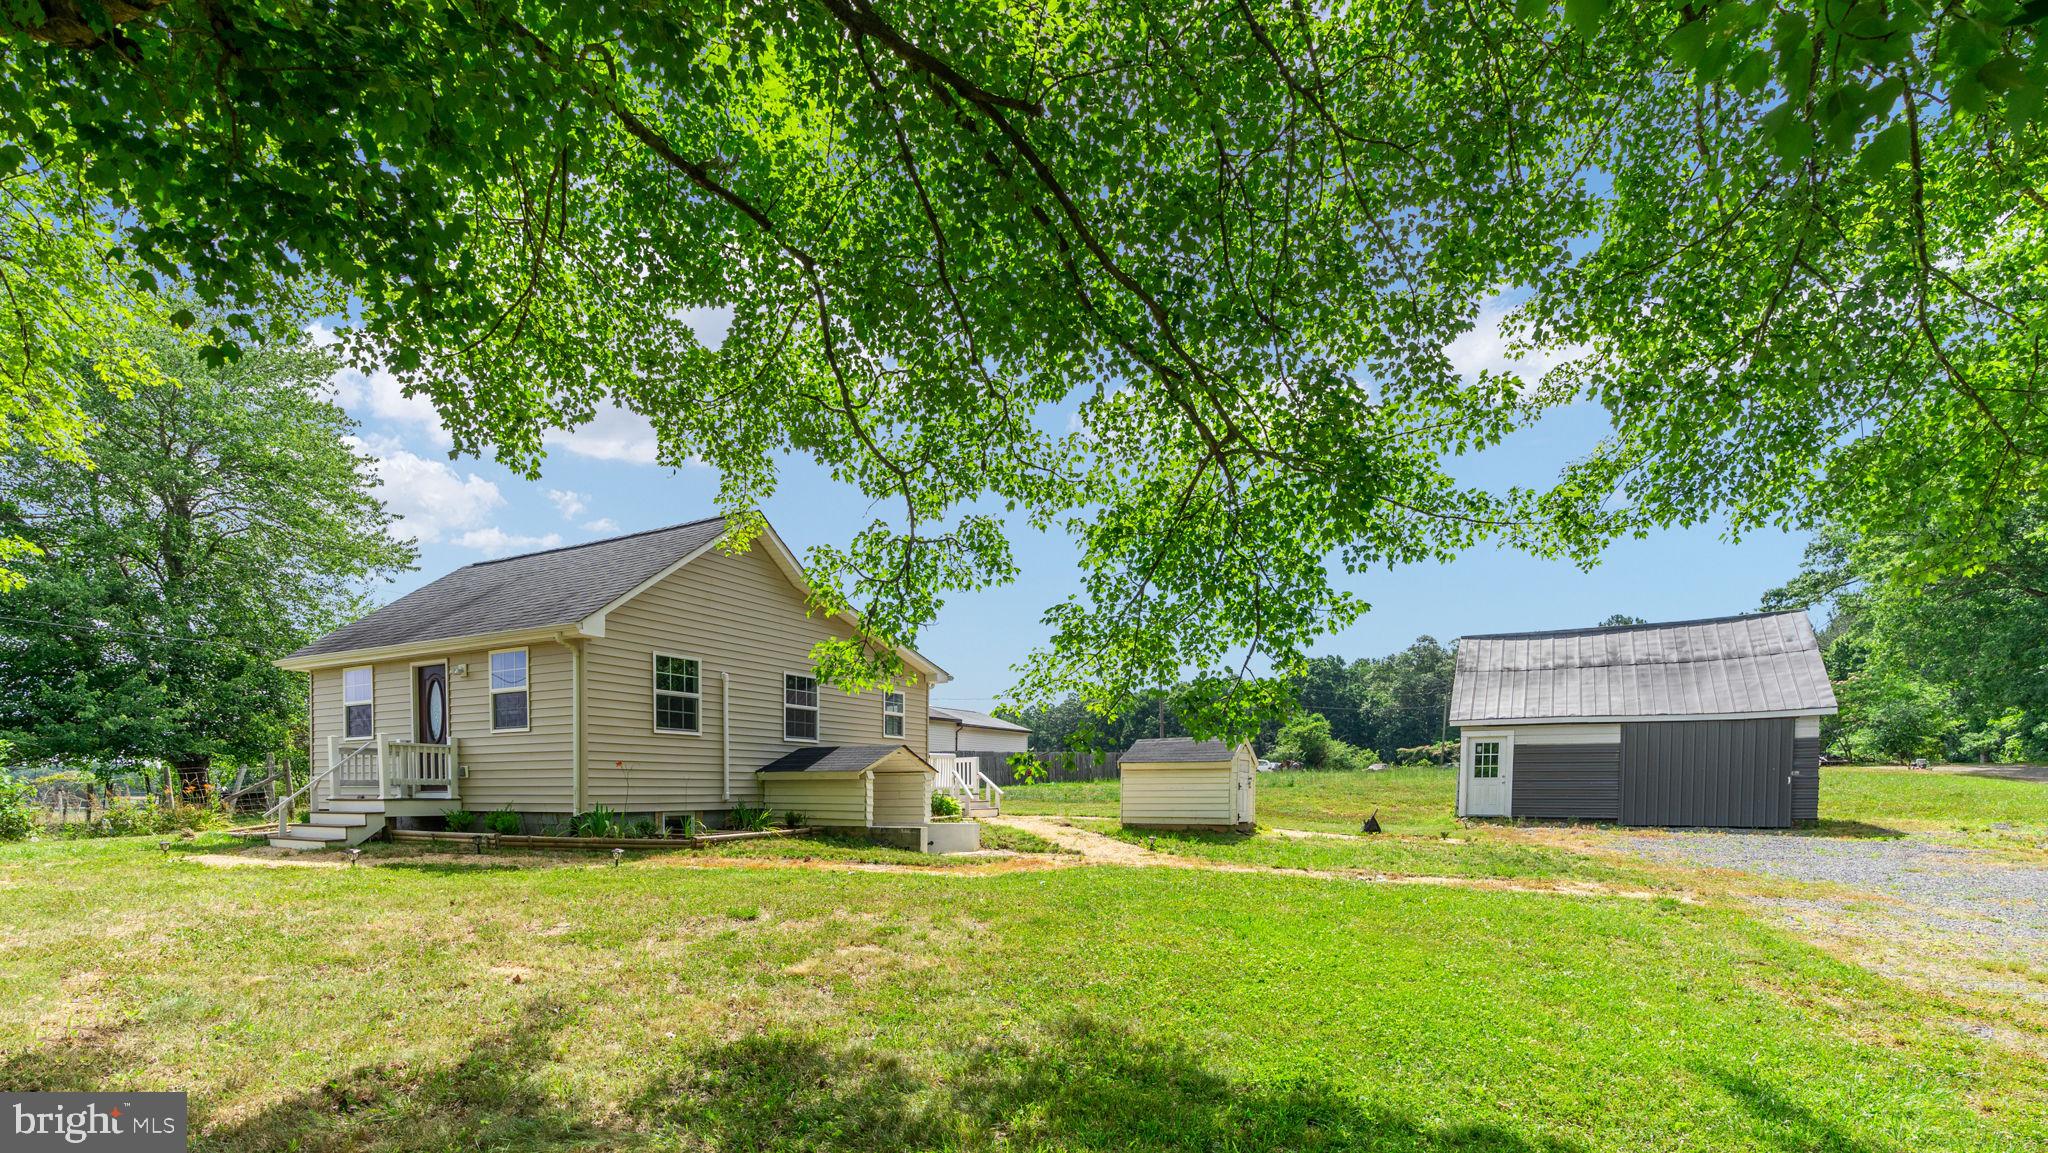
(348,805)
(317,832)
(341,820)
(296,843)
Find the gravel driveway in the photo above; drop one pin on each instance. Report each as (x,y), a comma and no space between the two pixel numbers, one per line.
(1947,917)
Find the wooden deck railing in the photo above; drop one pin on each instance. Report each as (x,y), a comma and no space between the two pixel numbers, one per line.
(384,768)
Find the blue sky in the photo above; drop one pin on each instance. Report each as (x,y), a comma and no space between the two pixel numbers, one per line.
(601,480)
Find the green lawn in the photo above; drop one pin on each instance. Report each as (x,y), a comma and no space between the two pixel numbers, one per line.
(1478,854)
(1909,799)
(437,1005)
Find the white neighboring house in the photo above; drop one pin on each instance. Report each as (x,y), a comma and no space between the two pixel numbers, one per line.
(967,731)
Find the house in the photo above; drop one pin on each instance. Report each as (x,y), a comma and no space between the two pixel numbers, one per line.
(967,731)
(1181,783)
(1709,722)
(655,674)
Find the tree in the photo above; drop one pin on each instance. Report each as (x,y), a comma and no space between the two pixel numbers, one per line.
(1305,740)
(1622,620)
(1796,245)
(1947,667)
(223,520)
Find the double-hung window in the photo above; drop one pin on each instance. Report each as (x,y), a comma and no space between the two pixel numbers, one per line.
(508,691)
(678,700)
(892,714)
(799,707)
(358,703)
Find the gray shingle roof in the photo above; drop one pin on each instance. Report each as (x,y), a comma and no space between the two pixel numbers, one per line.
(1767,663)
(1171,750)
(557,587)
(979,720)
(835,758)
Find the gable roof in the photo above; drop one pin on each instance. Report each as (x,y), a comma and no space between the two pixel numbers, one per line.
(1176,750)
(971,717)
(838,759)
(1758,664)
(574,586)
(560,586)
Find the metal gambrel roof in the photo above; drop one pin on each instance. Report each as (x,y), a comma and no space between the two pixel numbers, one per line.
(1764,663)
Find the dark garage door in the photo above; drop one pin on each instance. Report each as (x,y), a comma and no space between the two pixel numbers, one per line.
(1734,774)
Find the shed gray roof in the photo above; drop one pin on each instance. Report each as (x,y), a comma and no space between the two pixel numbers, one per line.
(1171,750)
(979,720)
(1767,663)
(558,587)
(835,758)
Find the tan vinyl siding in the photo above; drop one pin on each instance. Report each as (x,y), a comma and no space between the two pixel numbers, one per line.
(903,798)
(823,800)
(527,771)
(1176,794)
(736,615)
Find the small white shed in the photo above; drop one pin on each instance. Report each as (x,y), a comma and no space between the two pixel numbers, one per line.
(857,786)
(1179,783)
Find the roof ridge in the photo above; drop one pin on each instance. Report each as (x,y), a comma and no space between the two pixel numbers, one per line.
(1601,629)
(598,541)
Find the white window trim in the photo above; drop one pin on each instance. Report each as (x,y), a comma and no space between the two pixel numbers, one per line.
(901,713)
(657,692)
(526,686)
(371,701)
(817,710)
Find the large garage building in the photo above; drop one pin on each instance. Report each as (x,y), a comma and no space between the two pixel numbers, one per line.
(1707,723)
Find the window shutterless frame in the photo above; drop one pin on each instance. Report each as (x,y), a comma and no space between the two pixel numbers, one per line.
(800,707)
(358,702)
(510,704)
(892,714)
(678,694)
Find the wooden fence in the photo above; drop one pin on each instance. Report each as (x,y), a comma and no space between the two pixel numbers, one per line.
(1052,767)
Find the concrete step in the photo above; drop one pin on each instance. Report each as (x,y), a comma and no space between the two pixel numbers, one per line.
(318,832)
(341,820)
(345,805)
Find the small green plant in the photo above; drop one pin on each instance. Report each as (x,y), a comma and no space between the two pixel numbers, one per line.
(944,806)
(504,822)
(792,820)
(749,818)
(600,821)
(644,828)
(459,820)
(687,825)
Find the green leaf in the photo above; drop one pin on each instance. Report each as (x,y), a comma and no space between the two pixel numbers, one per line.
(1533,10)
(1887,150)
(1585,16)
(2004,74)
(1687,42)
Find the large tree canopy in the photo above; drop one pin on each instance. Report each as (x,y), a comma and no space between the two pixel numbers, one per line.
(228,520)
(1798,244)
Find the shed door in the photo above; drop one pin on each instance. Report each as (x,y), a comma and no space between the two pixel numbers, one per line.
(1721,774)
(1489,771)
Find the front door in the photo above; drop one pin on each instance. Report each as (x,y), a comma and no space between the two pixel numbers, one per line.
(430,704)
(1489,774)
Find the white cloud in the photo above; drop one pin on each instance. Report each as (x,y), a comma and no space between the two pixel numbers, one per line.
(377,395)
(494,541)
(614,433)
(430,499)
(568,502)
(1485,348)
(601,524)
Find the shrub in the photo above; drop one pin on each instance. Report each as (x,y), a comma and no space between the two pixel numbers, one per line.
(749,818)
(792,820)
(944,806)
(644,827)
(1305,740)
(459,820)
(17,808)
(504,822)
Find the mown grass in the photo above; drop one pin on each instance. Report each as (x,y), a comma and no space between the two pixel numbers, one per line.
(1920,800)
(1480,856)
(580,1006)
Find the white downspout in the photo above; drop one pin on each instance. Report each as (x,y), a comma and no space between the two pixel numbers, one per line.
(725,729)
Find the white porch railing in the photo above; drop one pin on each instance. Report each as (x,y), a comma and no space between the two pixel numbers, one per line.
(962,779)
(383,768)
